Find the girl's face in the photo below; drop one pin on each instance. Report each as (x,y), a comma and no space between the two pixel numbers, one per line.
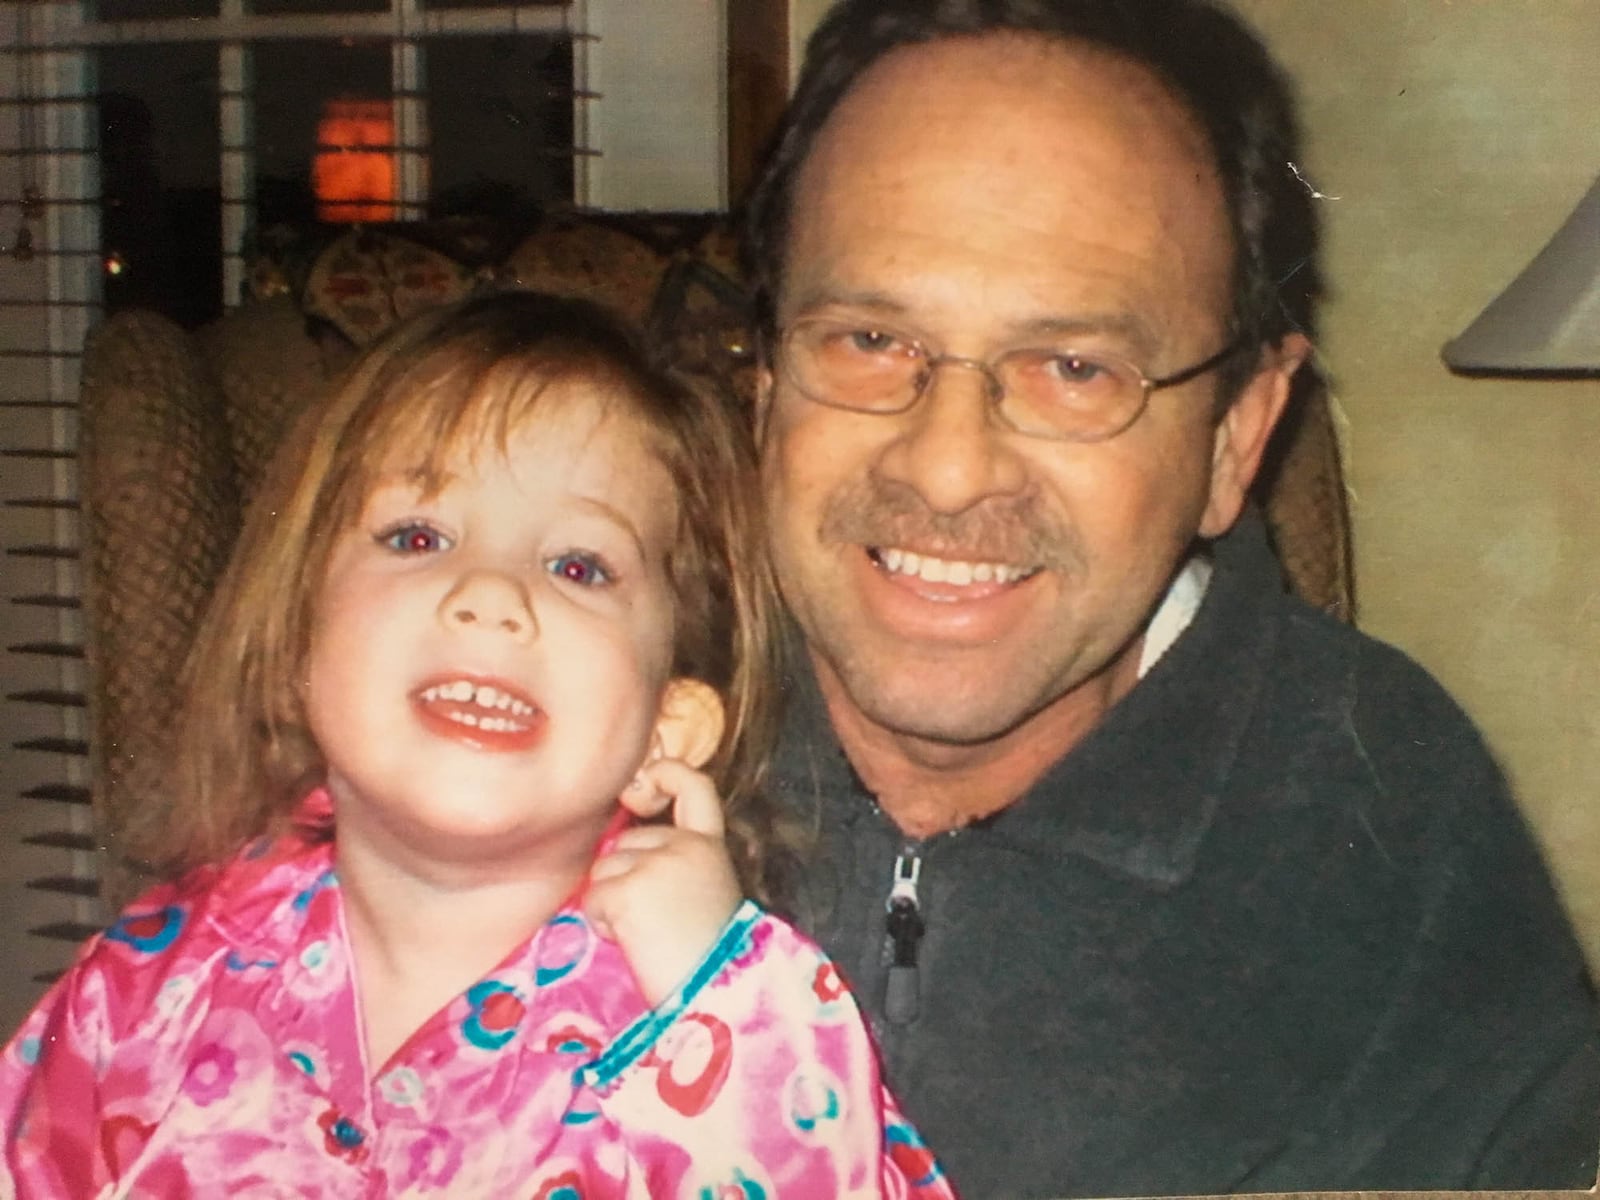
(488,663)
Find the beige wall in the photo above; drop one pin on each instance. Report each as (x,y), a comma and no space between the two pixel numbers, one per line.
(1452,137)
(803,18)
(1457,135)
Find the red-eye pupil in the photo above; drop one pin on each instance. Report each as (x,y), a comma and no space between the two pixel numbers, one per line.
(575,569)
(419,539)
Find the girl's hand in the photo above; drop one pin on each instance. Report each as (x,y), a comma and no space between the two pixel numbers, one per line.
(664,892)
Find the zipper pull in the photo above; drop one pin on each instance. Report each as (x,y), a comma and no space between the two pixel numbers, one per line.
(904,925)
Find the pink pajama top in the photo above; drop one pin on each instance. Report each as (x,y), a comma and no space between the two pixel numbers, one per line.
(209,1043)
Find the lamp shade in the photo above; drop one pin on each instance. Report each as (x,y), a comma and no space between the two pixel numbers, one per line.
(1548,317)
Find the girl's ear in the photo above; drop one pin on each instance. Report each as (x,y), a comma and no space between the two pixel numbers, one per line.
(689,723)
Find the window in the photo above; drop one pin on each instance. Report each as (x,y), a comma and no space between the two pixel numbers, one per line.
(146,144)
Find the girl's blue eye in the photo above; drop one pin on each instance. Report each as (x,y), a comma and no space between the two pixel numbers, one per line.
(577,567)
(414,537)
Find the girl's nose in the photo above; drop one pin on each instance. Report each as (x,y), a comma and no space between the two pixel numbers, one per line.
(491,601)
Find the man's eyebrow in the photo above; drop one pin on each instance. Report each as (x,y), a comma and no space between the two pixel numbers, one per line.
(1128,328)
(1132,329)
(829,297)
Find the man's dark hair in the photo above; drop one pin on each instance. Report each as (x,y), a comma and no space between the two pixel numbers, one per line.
(1212,63)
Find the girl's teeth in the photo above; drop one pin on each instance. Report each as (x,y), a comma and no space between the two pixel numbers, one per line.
(488,724)
(462,691)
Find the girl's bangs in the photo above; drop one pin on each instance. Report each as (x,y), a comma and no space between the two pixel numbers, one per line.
(447,410)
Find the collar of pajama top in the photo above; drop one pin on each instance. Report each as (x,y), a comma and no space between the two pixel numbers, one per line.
(279,920)
(514,1055)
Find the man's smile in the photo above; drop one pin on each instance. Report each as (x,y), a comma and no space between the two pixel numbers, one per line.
(933,569)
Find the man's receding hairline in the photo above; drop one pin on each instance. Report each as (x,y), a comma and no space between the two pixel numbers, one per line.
(1189,130)
(1050,43)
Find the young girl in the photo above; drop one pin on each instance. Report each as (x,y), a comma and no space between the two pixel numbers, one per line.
(500,578)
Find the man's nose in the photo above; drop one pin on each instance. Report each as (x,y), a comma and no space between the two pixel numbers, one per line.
(491,601)
(953,450)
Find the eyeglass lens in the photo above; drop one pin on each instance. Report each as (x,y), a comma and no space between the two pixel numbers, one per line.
(1045,391)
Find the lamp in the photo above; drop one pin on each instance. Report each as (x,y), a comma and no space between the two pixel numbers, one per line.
(1547,320)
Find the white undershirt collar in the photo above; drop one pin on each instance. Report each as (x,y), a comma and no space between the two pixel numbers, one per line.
(1176,610)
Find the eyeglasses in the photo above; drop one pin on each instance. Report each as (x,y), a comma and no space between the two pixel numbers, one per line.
(1055,392)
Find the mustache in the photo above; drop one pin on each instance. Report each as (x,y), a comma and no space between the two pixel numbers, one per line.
(1008,529)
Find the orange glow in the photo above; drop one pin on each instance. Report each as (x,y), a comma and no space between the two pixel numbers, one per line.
(353,183)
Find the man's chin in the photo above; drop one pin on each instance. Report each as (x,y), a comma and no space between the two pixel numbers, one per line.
(970,701)
(936,705)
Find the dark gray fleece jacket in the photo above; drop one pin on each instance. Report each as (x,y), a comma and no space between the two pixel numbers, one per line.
(1276,925)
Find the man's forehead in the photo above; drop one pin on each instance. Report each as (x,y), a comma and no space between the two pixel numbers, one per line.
(1065,177)
(987,73)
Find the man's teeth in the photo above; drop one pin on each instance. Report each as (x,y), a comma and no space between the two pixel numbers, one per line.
(481,695)
(944,570)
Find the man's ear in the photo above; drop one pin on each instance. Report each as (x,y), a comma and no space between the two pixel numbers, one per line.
(689,722)
(1242,434)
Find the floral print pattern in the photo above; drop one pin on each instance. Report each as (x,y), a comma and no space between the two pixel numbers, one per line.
(208,1044)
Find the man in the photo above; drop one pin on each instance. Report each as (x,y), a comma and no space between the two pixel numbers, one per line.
(1154,879)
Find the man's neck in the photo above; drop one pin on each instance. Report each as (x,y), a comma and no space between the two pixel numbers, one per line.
(929,787)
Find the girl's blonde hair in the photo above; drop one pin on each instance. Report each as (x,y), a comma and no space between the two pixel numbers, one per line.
(465,376)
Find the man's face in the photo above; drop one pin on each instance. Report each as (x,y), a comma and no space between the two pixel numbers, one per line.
(953,578)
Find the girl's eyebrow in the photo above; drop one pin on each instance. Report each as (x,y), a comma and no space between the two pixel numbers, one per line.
(409,477)
(419,476)
(614,516)
(414,478)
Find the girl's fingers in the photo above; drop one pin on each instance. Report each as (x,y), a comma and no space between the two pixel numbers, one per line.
(671,782)
(612,865)
(642,797)
(697,807)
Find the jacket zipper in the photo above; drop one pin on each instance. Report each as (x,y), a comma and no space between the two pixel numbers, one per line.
(903,927)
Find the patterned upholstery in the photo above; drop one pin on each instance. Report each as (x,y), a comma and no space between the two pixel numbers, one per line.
(161,505)
(177,427)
